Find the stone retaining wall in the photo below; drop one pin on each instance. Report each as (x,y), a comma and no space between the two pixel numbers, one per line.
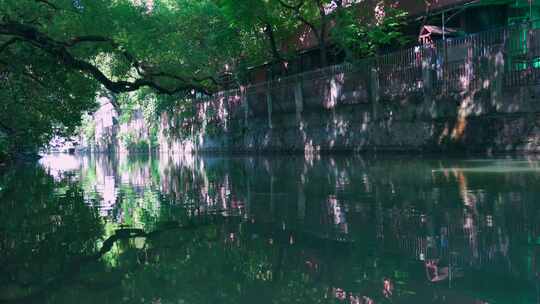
(478,122)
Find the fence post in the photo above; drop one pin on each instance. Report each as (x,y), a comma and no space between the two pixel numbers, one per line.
(497,68)
(225,104)
(193,121)
(204,122)
(427,73)
(470,71)
(374,89)
(269,105)
(298,99)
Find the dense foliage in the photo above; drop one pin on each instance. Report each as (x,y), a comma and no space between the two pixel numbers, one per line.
(357,27)
(57,55)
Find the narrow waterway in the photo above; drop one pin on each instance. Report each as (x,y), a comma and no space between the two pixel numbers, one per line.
(350,229)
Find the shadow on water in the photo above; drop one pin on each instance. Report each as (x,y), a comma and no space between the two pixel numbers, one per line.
(181,229)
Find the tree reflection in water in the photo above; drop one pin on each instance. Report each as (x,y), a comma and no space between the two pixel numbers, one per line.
(45,226)
(273,230)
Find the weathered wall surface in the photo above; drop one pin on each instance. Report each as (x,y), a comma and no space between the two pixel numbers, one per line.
(479,123)
(461,123)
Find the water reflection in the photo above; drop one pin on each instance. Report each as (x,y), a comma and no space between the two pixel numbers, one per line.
(180,229)
(45,227)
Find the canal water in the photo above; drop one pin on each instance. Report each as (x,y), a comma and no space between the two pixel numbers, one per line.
(350,229)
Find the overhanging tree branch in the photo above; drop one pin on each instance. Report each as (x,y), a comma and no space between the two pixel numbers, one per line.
(91,38)
(60,50)
(73,42)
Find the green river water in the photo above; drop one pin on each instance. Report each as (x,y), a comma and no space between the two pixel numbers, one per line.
(345,229)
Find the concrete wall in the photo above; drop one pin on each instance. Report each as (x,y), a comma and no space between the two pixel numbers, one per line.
(476,123)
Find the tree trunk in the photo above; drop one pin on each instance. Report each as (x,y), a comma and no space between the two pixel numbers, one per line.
(322,36)
(269,31)
(323,53)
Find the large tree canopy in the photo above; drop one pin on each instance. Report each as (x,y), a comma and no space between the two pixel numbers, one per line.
(170,46)
(355,26)
(57,55)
